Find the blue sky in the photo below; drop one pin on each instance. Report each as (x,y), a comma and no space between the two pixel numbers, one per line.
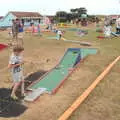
(49,7)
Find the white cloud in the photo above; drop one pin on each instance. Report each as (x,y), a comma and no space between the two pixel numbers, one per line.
(98,6)
(51,6)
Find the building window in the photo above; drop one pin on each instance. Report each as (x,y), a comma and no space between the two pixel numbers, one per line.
(28,20)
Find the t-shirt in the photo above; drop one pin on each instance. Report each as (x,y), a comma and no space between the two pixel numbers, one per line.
(21,28)
(17,26)
(107,30)
(15,60)
(59,32)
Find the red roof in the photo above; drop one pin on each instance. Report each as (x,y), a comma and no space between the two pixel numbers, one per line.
(114,16)
(51,17)
(25,14)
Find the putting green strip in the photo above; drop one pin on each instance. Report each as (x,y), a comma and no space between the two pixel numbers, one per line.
(54,38)
(88,51)
(58,74)
(54,77)
(72,29)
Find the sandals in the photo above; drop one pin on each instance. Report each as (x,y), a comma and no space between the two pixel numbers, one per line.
(14,97)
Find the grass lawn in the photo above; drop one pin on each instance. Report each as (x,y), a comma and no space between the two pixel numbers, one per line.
(104,101)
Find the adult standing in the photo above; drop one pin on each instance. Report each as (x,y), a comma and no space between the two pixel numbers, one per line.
(107,21)
(21,32)
(13,28)
(118,25)
(17,27)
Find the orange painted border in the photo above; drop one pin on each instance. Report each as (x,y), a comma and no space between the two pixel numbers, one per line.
(86,93)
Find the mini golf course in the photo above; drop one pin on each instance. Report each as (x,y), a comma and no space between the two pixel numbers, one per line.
(52,80)
(78,42)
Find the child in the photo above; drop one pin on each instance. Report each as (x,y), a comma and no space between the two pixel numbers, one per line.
(15,64)
(38,27)
(107,30)
(33,28)
(59,34)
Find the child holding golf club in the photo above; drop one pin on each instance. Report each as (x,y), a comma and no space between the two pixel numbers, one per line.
(15,65)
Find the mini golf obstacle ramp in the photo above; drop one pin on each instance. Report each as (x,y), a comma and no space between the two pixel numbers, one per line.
(81,33)
(115,34)
(78,42)
(2,46)
(52,80)
(35,94)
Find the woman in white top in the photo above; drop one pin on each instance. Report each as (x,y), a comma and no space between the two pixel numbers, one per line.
(107,30)
(118,25)
(59,34)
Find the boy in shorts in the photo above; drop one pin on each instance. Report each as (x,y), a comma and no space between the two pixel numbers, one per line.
(15,64)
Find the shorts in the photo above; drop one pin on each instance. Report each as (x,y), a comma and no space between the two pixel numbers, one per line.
(107,34)
(15,34)
(59,36)
(17,77)
(20,35)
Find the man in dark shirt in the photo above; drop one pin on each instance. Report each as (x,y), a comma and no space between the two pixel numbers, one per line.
(15,28)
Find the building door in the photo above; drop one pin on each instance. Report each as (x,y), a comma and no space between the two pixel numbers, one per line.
(23,21)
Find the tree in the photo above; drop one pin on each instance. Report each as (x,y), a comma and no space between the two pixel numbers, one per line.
(77,12)
(72,10)
(61,16)
(82,11)
(69,17)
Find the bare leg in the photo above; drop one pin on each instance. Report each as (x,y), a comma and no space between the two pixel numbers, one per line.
(17,37)
(15,87)
(12,85)
(13,40)
(21,41)
(22,88)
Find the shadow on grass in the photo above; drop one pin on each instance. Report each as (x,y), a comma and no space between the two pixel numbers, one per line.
(8,106)
(33,77)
